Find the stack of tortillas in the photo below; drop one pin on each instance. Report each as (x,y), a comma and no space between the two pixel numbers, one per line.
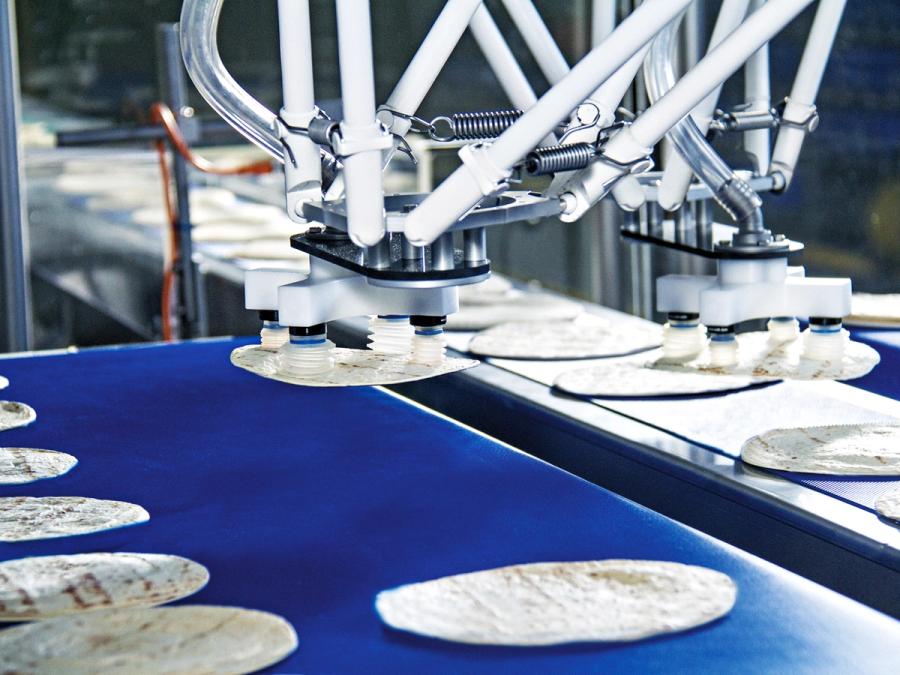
(50,586)
(760,361)
(554,603)
(352,368)
(185,639)
(843,449)
(586,337)
(14,414)
(874,309)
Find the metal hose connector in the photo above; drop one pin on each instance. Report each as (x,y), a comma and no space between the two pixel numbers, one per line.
(733,193)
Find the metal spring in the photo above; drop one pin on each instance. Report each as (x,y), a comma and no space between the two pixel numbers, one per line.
(559,158)
(475,125)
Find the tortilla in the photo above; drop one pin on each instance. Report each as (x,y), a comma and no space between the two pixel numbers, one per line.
(518,307)
(4,383)
(586,337)
(13,415)
(26,518)
(56,585)
(630,378)
(844,449)
(352,368)
(758,357)
(26,465)
(184,639)
(554,603)
(874,309)
(888,505)
(494,289)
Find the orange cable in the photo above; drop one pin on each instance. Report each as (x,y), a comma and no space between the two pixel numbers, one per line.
(163,115)
(170,253)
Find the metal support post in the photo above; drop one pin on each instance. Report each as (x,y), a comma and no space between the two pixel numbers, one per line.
(15,295)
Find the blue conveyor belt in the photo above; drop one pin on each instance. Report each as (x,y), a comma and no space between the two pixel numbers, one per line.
(307,502)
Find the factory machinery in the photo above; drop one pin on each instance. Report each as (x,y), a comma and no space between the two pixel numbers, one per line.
(360,489)
(395,257)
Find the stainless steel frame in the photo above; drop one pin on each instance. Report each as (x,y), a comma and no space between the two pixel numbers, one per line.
(15,297)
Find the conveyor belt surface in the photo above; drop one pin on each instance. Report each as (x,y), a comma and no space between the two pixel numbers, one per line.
(721,422)
(307,502)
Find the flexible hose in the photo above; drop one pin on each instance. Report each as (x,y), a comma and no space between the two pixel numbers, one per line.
(732,192)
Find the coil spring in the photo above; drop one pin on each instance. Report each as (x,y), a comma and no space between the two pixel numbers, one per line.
(559,158)
(475,125)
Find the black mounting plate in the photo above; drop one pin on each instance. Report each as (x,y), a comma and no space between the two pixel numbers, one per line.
(702,241)
(339,250)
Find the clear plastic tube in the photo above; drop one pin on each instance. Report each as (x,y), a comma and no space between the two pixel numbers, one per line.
(733,193)
(199,47)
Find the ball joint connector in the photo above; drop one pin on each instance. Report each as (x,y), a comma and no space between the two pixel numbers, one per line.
(273,335)
(824,340)
(684,337)
(429,345)
(783,329)
(390,334)
(723,346)
(308,352)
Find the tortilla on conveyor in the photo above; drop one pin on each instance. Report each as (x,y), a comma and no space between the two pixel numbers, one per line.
(651,375)
(888,505)
(48,586)
(352,368)
(630,378)
(26,465)
(4,383)
(517,306)
(553,603)
(27,518)
(843,449)
(14,415)
(879,310)
(186,639)
(586,337)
